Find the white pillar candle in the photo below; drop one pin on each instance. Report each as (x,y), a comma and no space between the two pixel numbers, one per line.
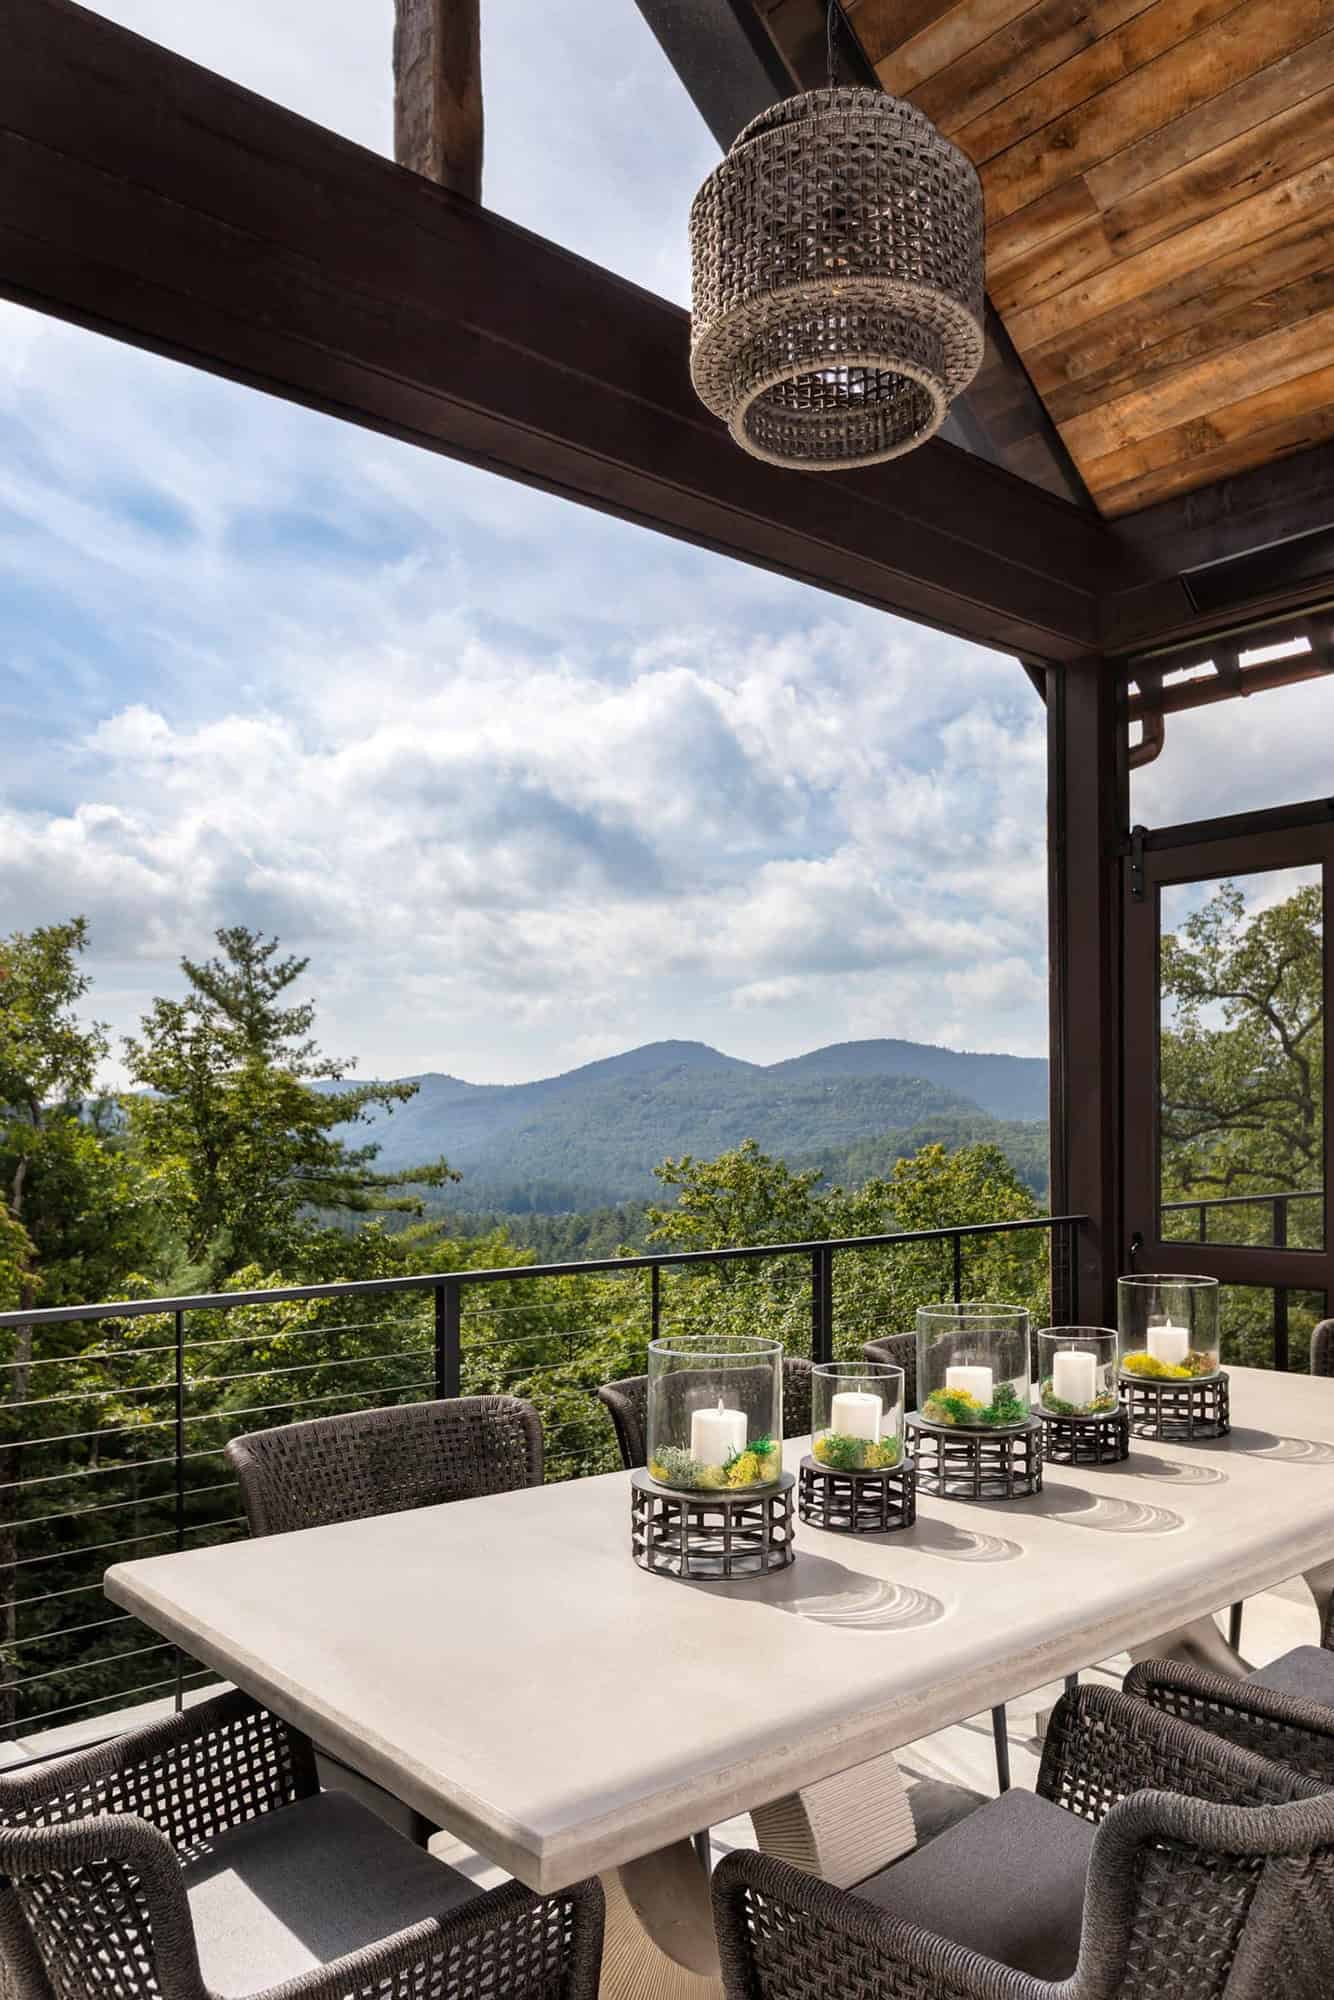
(854,1414)
(1169,1344)
(1074,1376)
(716,1434)
(975,1382)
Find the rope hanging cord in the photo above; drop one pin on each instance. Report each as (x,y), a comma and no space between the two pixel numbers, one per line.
(837,255)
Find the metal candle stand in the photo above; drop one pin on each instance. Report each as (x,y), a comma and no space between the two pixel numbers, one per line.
(858,1503)
(955,1463)
(705,1537)
(1176,1412)
(1101,1439)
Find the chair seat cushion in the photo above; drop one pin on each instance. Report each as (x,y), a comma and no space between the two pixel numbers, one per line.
(1007,1881)
(1306,1670)
(297,1888)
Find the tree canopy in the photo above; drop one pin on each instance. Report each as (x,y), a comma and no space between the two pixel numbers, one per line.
(237,1112)
(1242,1062)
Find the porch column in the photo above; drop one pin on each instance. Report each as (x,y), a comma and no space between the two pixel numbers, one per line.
(1085,787)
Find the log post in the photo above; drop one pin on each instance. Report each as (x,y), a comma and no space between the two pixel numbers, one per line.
(438,92)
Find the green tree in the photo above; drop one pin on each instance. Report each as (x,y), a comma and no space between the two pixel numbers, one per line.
(237,1113)
(1243,1054)
(746,1196)
(77,1221)
(1242,1080)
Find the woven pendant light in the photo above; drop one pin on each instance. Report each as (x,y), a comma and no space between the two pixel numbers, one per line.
(837,281)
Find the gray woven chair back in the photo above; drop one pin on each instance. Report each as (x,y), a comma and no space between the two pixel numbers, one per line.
(627,1403)
(1322,1348)
(385,1461)
(94,1904)
(899,1349)
(169,1788)
(1211,1877)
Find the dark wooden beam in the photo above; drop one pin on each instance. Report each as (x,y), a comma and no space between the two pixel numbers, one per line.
(723,56)
(1085,810)
(1269,508)
(149,199)
(438,92)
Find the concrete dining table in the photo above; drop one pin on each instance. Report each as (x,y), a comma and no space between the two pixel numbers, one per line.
(503,1666)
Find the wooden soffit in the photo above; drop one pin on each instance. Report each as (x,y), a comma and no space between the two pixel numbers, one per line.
(1159,183)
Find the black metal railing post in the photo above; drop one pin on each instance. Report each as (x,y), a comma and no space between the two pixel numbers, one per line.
(654,1300)
(1280,1233)
(178,1469)
(448,1338)
(958,1269)
(822,1303)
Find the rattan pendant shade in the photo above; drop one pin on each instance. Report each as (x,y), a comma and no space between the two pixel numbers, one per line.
(837,280)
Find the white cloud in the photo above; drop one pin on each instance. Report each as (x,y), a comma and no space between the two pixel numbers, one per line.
(528,784)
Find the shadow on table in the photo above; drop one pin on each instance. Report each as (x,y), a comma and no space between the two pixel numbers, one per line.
(935,1537)
(1102,1513)
(828,1593)
(1285,1450)
(1170,1471)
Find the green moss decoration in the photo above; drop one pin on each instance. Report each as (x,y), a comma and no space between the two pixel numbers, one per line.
(1053,1405)
(854,1454)
(956,1406)
(674,1466)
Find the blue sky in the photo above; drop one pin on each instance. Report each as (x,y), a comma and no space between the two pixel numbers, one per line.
(528,785)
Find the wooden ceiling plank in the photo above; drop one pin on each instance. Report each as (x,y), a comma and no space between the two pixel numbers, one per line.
(1065,208)
(1032,46)
(1294,200)
(1051,268)
(1110,346)
(1231,441)
(1146,37)
(1213,334)
(1258,159)
(1248,38)
(1251,102)
(948,38)
(1267,363)
(1207,187)
(883,25)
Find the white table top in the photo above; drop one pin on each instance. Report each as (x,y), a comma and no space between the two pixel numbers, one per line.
(503,1666)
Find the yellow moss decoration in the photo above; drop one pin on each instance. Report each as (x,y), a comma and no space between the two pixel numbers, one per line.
(1155,1370)
(746,1469)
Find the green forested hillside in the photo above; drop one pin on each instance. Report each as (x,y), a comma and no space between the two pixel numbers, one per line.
(593,1137)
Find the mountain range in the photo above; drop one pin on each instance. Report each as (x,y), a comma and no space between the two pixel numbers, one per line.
(592,1136)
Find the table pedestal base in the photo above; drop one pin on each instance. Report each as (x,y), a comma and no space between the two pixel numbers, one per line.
(1196,1644)
(660,1940)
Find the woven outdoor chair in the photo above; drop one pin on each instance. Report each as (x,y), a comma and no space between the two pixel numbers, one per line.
(1284,1711)
(627,1402)
(1153,1863)
(900,1350)
(198,1858)
(384,1461)
(1322,1348)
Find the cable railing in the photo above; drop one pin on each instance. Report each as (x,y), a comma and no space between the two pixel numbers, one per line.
(114,1416)
(1277,1228)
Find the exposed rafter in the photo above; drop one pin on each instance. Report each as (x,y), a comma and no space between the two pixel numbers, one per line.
(152,200)
(438,92)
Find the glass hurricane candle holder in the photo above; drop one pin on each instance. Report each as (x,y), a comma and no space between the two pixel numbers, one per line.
(973,1366)
(1169,1327)
(857,1415)
(715,1413)
(1077,1371)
